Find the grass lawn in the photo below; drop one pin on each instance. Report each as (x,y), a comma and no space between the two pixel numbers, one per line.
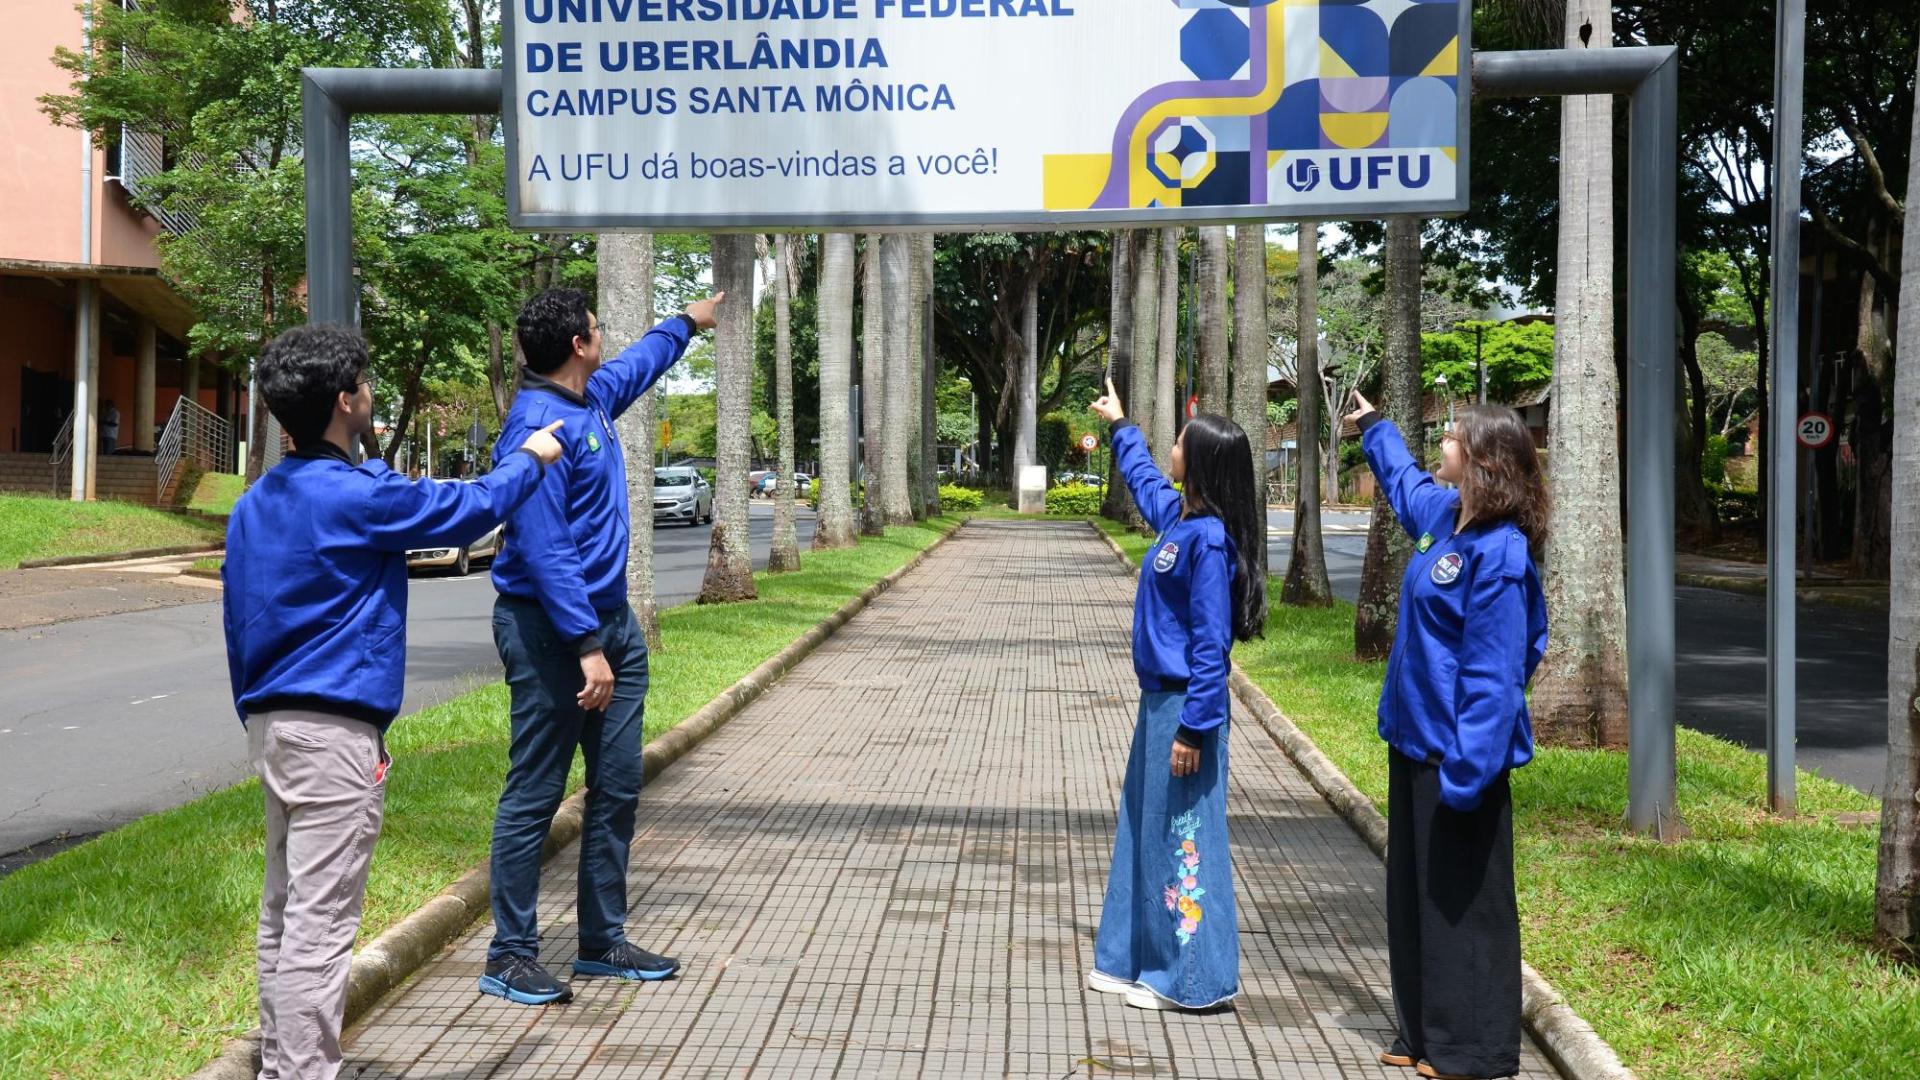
(1741,952)
(215,493)
(132,955)
(40,527)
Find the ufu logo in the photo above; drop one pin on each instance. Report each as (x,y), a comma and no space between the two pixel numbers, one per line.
(1370,171)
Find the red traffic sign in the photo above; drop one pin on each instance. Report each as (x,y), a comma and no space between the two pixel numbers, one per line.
(1089,442)
(1815,431)
(1193,406)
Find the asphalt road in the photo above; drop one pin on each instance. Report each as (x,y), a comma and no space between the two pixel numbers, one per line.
(110,718)
(1720,671)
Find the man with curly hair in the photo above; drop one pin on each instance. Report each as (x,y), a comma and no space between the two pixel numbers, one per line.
(316,625)
(575,658)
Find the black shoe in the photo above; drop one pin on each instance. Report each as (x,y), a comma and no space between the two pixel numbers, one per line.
(626,961)
(521,979)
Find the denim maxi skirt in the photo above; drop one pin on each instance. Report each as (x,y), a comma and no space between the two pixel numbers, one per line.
(1168,921)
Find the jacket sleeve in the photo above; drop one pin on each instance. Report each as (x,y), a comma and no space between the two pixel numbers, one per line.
(619,383)
(228,597)
(545,538)
(1490,686)
(405,514)
(1157,500)
(1416,497)
(1209,640)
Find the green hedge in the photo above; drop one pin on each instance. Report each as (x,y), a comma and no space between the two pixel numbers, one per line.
(953,497)
(1073,500)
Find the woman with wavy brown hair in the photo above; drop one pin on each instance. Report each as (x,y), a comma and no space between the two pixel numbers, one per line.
(1453,712)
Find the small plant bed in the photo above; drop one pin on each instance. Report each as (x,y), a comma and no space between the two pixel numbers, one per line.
(40,527)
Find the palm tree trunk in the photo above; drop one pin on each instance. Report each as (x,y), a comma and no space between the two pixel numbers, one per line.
(1250,362)
(626,314)
(1027,422)
(873,392)
(1166,406)
(729,559)
(929,387)
(915,354)
(896,274)
(1306,584)
(785,553)
(1117,502)
(1211,303)
(1378,610)
(1580,692)
(1896,893)
(1146,345)
(833,526)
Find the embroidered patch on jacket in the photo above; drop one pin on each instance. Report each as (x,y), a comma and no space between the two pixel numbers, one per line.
(593,442)
(1183,895)
(1163,559)
(1447,570)
(1426,541)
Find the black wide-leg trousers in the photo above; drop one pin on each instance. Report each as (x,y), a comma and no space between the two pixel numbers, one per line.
(1453,925)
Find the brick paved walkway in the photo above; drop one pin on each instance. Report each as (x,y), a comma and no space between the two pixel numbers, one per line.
(892,865)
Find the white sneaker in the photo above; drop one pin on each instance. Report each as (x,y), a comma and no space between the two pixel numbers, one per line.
(1142,998)
(1102,983)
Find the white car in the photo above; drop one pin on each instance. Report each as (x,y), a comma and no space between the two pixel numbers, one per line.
(461,559)
(681,495)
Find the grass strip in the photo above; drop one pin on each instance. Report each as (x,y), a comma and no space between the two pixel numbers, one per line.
(132,956)
(1740,952)
(42,527)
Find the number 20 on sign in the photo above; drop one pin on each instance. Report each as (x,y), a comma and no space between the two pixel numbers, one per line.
(1815,430)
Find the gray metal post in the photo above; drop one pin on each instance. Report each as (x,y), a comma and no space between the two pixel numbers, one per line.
(1784,400)
(1651,75)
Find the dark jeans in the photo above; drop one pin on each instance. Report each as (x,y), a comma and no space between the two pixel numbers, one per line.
(1453,924)
(543,675)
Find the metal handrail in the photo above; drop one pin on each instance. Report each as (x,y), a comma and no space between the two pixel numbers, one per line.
(63,442)
(193,433)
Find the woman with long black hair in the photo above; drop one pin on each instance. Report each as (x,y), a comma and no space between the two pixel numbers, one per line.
(1168,938)
(1453,712)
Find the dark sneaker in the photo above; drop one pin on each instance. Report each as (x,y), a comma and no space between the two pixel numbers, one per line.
(521,979)
(626,961)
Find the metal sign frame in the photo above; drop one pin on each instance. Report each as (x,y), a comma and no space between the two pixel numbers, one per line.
(1034,221)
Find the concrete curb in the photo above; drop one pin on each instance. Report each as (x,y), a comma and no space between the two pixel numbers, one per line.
(1569,1042)
(1758,587)
(407,945)
(123,556)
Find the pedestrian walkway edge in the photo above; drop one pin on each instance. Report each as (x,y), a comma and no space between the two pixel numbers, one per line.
(407,945)
(1568,1041)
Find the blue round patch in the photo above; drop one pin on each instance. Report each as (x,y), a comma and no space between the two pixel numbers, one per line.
(1164,559)
(1447,569)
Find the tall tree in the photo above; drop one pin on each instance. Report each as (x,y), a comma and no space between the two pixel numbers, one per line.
(1377,611)
(834,527)
(626,314)
(1896,893)
(913,353)
(1146,340)
(1580,693)
(929,501)
(896,272)
(785,553)
(1251,346)
(1210,307)
(1167,406)
(1306,584)
(729,558)
(1027,390)
(1117,502)
(873,391)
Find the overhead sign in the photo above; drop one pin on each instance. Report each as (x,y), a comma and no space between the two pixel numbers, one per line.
(1815,431)
(683,114)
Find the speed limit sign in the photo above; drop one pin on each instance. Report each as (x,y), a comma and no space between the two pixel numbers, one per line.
(1089,442)
(1815,431)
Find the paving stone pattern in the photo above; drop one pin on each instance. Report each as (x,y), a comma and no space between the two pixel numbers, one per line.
(892,865)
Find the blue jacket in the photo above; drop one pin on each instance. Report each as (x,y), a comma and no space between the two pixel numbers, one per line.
(1473,627)
(1183,607)
(569,542)
(316,576)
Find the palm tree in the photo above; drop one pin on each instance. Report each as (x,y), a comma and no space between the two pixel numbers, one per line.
(1580,692)
(1166,405)
(1306,583)
(915,354)
(1117,503)
(1027,389)
(1146,344)
(785,553)
(873,391)
(1250,360)
(1211,307)
(895,274)
(626,313)
(834,527)
(929,383)
(729,559)
(1388,548)
(1896,892)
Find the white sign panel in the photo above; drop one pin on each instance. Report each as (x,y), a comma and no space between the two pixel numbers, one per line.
(978,113)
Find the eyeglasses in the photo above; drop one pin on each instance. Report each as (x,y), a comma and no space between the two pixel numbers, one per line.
(366,381)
